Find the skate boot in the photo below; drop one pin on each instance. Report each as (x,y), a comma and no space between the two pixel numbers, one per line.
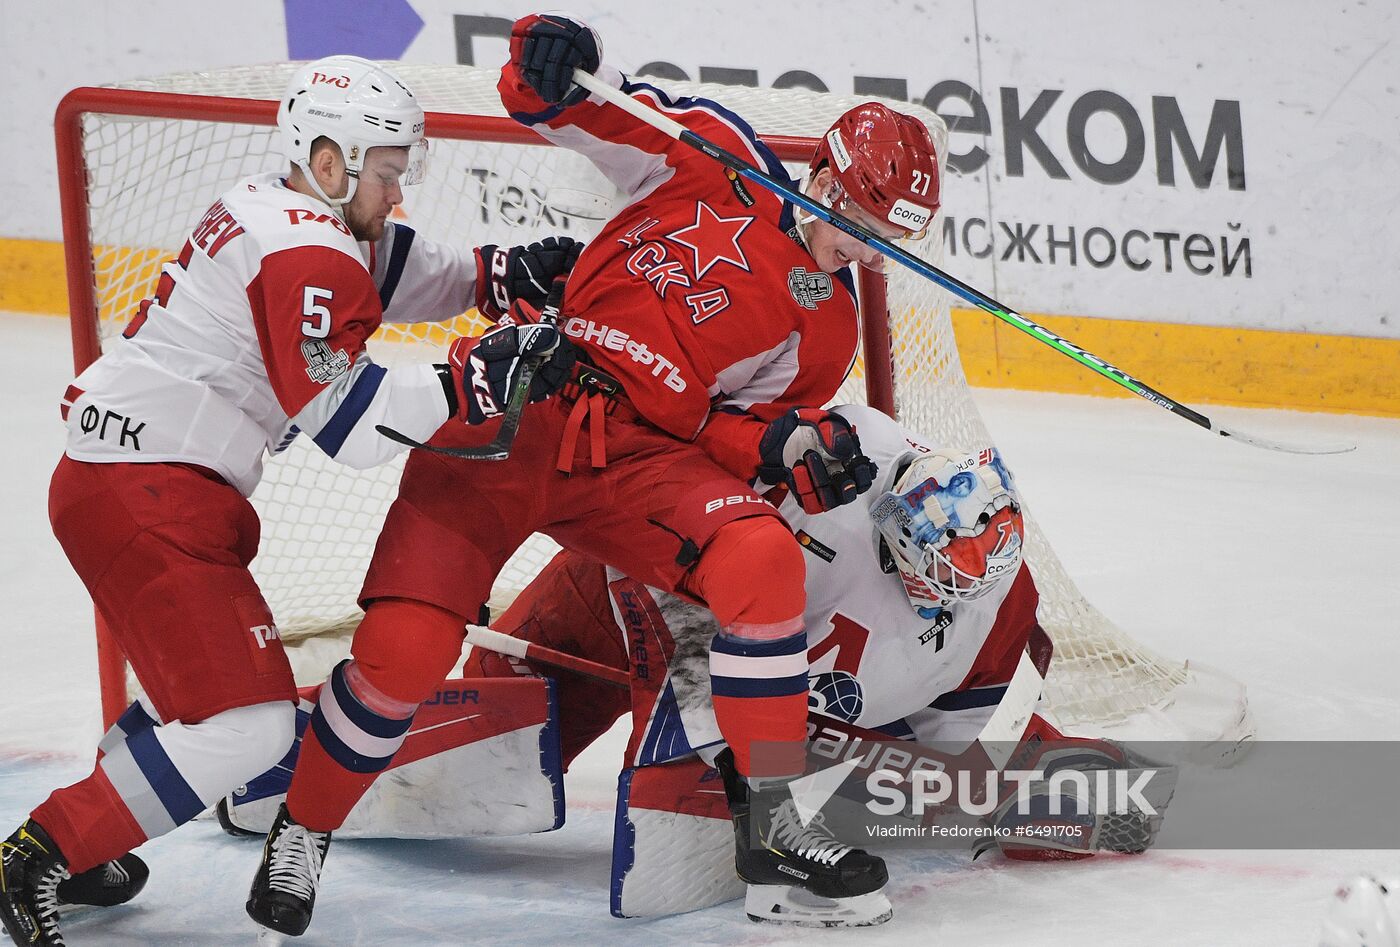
(797,872)
(284,889)
(109,884)
(29,878)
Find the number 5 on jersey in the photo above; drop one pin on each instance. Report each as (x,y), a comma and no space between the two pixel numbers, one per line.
(323,365)
(317,321)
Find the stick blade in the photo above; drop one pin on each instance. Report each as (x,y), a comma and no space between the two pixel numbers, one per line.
(498,449)
(1319,447)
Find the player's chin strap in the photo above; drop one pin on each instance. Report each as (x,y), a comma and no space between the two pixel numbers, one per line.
(336,204)
(803,218)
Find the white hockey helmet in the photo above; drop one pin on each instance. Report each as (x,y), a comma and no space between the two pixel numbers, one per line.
(359,105)
(1365,912)
(952,525)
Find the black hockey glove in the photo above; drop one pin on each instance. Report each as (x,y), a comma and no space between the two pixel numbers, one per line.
(546,49)
(505,274)
(817,454)
(487,368)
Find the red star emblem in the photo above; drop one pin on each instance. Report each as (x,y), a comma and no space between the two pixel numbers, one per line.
(713,238)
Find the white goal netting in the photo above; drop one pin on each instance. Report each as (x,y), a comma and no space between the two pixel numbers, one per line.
(150,176)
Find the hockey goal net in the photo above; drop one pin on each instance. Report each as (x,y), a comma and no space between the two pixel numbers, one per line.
(139,163)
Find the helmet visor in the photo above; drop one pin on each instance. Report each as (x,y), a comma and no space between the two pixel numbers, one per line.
(417,170)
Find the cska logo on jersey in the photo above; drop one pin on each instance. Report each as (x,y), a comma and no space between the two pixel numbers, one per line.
(809,288)
(713,239)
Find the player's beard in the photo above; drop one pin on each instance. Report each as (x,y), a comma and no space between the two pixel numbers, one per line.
(365,227)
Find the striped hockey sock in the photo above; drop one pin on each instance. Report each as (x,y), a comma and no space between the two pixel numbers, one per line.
(760,700)
(353,736)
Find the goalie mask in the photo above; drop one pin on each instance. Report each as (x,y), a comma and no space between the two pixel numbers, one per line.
(952,524)
(357,104)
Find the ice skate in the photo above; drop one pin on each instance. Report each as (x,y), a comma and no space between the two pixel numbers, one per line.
(797,872)
(284,889)
(30,874)
(109,884)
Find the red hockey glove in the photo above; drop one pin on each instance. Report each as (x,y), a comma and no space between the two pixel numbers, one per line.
(547,48)
(505,274)
(486,368)
(817,454)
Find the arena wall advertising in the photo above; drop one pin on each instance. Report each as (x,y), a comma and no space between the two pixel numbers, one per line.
(1204,195)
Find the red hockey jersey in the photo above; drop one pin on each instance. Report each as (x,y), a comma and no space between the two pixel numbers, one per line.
(698,295)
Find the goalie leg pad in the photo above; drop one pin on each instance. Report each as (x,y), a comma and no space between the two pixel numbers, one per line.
(567,608)
(673,842)
(481,759)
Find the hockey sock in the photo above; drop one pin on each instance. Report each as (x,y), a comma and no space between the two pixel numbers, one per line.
(354,733)
(758,663)
(152,777)
(760,699)
(402,651)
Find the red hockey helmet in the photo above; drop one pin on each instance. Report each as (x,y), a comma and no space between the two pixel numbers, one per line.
(884,161)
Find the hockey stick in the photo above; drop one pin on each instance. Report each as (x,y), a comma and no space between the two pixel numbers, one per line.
(954,285)
(479,636)
(499,448)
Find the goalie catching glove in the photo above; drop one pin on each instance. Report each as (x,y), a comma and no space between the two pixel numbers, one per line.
(817,455)
(507,274)
(1118,805)
(485,369)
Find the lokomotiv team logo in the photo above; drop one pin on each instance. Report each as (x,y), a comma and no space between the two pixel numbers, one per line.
(837,694)
(809,288)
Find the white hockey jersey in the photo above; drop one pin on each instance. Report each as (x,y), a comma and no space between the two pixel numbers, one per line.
(874,660)
(257,332)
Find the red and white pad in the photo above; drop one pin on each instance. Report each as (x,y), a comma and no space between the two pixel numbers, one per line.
(673,842)
(482,758)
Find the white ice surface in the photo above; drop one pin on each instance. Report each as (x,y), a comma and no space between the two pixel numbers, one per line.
(1278,569)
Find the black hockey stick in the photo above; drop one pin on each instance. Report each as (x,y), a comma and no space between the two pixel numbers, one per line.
(499,448)
(954,285)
